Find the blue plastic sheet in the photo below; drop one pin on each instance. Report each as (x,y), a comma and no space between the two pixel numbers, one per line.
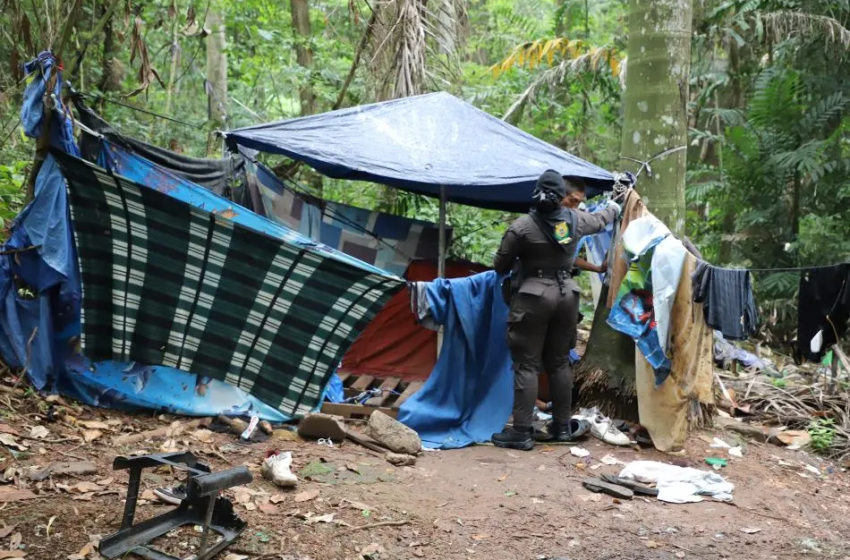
(422,144)
(469,394)
(40,320)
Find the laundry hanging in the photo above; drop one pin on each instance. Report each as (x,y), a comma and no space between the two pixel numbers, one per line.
(645,296)
(727,295)
(824,309)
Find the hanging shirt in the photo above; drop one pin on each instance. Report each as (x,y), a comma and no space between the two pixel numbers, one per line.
(727,295)
(824,307)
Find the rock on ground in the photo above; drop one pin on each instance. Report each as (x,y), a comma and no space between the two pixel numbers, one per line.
(322,426)
(401,460)
(392,434)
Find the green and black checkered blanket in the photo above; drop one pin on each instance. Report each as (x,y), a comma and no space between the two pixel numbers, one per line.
(166,283)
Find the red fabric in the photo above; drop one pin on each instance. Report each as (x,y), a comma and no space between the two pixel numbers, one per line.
(393,345)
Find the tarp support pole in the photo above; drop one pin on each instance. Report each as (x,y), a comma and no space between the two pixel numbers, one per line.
(441,255)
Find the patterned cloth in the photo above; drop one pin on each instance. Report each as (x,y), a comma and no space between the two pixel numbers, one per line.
(166,283)
(384,240)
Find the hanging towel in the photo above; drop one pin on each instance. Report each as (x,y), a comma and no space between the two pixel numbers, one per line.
(824,307)
(468,396)
(727,295)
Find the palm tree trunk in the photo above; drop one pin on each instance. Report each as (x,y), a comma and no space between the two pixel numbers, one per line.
(216,76)
(655,101)
(301,24)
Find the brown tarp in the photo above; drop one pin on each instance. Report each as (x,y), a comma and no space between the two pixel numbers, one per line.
(667,411)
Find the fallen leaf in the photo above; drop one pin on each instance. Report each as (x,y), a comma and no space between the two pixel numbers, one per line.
(611,460)
(91,435)
(480,537)
(502,478)
(268,509)
(372,550)
(358,505)
(50,524)
(39,432)
(15,541)
(203,435)
(12,554)
(6,531)
(7,429)
(795,438)
(105,481)
(84,497)
(236,557)
(83,487)
(149,496)
(326,518)
(278,498)
(9,441)
(306,496)
(652,544)
(750,530)
(94,425)
(12,494)
(250,506)
(83,553)
(242,496)
(353,468)
(680,555)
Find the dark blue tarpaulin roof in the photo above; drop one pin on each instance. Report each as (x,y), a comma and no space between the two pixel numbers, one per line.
(420,143)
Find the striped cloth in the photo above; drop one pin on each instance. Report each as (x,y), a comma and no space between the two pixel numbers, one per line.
(167,283)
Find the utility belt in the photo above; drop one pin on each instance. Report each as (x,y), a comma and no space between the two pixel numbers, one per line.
(510,285)
(551,273)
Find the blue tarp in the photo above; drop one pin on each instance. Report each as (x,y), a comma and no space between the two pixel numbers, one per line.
(469,394)
(40,318)
(419,144)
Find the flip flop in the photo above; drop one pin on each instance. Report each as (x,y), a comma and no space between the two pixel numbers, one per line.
(634,486)
(600,487)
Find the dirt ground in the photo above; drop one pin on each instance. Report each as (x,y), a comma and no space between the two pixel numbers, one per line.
(480,502)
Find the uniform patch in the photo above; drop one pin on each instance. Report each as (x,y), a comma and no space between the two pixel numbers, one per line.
(562,233)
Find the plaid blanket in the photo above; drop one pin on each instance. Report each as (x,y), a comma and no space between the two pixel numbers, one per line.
(164,282)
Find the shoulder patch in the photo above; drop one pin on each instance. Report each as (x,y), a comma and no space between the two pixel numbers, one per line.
(562,233)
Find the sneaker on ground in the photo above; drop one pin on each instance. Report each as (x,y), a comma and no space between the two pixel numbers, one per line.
(603,428)
(173,496)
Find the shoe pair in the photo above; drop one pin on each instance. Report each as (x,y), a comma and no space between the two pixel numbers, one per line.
(523,438)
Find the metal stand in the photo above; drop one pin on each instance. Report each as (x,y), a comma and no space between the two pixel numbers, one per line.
(201,506)
(441,256)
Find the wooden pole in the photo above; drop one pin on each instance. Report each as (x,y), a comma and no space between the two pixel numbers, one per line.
(441,255)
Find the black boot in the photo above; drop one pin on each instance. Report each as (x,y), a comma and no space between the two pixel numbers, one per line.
(558,433)
(514,438)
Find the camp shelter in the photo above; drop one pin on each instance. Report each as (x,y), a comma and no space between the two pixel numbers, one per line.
(433,144)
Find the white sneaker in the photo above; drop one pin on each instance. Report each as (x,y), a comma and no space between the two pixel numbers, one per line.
(277,469)
(603,428)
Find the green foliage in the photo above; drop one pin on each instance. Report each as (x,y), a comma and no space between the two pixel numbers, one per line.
(12,191)
(822,431)
(768,181)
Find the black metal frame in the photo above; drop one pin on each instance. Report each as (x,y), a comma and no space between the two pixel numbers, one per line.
(201,506)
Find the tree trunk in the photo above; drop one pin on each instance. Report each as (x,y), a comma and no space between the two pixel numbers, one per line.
(301,24)
(655,102)
(216,76)
(174,49)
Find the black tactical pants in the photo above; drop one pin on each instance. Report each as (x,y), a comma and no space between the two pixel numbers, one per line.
(541,332)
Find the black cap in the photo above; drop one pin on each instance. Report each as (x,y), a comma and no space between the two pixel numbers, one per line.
(551,181)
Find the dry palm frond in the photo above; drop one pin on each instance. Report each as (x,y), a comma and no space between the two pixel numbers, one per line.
(410,36)
(590,61)
(797,406)
(787,24)
(543,50)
